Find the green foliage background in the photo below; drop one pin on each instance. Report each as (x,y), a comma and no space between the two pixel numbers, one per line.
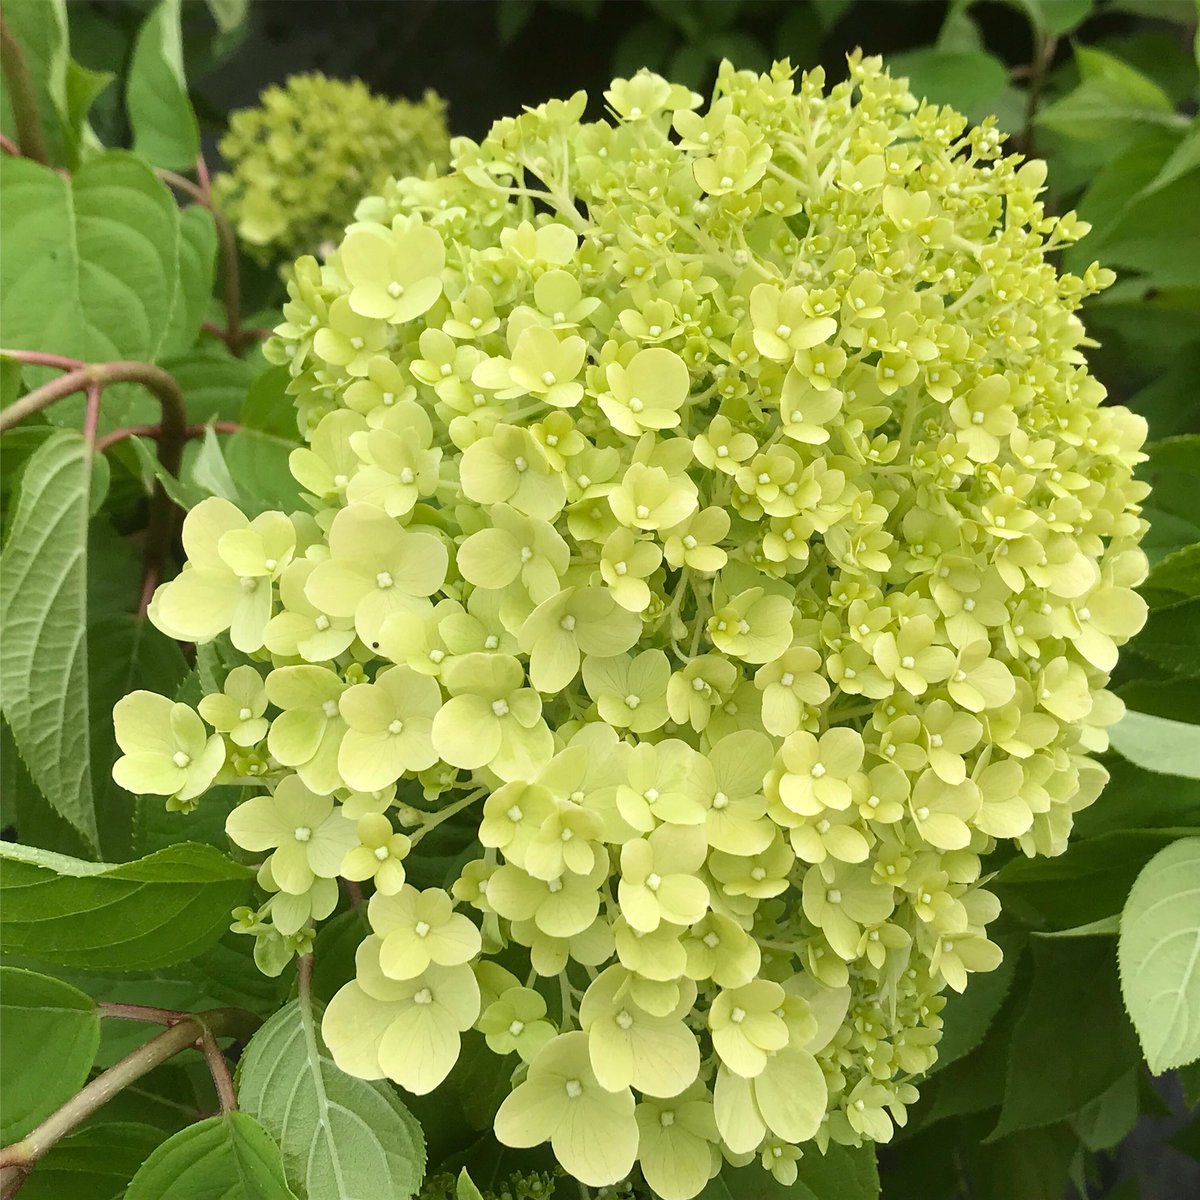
(1089,1032)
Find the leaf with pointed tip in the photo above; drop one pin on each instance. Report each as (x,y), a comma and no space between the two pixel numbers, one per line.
(43,653)
(229,1157)
(161,909)
(1159,951)
(58,1030)
(342,1138)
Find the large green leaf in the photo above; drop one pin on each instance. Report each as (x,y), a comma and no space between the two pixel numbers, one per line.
(1156,744)
(342,1138)
(164,125)
(1071,1029)
(1171,639)
(213,382)
(93,1163)
(90,267)
(841,1173)
(50,1032)
(1087,883)
(1137,799)
(230,1157)
(1113,101)
(43,602)
(971,82)
(1159,951)
(197,270)
(134,916)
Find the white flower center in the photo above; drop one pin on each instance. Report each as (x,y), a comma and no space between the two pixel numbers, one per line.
(303,833)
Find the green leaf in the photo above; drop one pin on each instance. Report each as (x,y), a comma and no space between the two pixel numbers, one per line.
(1033,1165)
(93,1163)
(197,270)
(1156,744)
(1173,578)
(1087,883)
(213,382)
(164,125)
(1137,799)
(209,472)
(230,1157)
(259,462)
(1113,101)
(1071,1029)
(1110,1117)
(183,492)
(841,1173)
(1105,927)
(43,654)
(342,1138)
(1171,638)
(1171,402)
(133,916)
(58,1030)
(1160,956)
(228,14)
(968,1015)
(970,81)
(65,90)
(465,1189)
(1055,16)
(90,269)
(1173,471)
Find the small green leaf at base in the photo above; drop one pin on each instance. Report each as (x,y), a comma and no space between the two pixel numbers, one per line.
(230,1157)
(1159,954)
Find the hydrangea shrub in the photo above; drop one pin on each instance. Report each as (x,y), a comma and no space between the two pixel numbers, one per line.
(714,508)
(302,159)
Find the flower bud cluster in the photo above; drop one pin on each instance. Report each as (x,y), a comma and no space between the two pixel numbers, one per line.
(311,150)
(714,507)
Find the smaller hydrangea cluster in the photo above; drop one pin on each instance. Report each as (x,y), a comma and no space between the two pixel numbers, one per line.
(715,510)
(311,150)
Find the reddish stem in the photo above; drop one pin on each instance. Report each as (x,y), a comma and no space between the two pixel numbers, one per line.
(142,1012)
(37,358)
(91,416)
(155,431)
(9,146)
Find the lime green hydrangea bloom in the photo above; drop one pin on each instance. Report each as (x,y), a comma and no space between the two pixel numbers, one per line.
(311,150)
(710,514)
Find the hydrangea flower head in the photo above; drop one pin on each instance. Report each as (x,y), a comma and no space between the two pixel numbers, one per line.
(716,506)
(303,158)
